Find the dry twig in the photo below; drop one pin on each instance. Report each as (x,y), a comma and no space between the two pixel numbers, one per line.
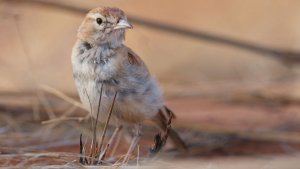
(61,95)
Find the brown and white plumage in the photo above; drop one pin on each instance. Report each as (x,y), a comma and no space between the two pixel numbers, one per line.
(99,58)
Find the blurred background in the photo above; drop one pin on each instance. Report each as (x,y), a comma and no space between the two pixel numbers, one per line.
(229,69)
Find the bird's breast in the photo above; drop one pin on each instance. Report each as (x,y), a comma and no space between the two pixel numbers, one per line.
(91,65)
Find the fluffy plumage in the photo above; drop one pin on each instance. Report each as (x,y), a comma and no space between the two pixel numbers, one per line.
(99,58)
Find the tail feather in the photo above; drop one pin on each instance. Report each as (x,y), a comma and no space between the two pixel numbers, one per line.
(176,139)
(162,121)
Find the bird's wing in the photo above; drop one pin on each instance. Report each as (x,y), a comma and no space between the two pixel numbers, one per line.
(134,59)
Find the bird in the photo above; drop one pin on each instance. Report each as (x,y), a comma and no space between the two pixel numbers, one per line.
(104,68)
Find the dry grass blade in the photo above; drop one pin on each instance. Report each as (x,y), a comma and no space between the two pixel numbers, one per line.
(61,95)
(41,154)
(107,121)
(96,154)
(79,119)
(96,121)
(47,105)
(91,114)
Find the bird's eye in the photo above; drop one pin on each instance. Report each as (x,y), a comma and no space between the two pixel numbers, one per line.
(99,21)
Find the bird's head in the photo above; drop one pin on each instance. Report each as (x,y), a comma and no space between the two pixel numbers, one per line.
(104,25)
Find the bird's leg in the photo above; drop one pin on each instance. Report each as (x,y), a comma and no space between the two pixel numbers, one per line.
(134,142)
(114,135)
(110,142)
(117,143)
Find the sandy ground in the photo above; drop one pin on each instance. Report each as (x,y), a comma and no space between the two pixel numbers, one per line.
(233,115)
(220,135)
(259,162)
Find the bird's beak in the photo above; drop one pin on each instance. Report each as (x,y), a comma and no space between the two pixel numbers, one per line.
(123,24)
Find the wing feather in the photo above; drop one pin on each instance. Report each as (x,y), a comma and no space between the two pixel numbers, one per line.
(133,58)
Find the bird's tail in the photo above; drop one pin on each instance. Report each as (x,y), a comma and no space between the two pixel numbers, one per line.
(176,139)
(162,120)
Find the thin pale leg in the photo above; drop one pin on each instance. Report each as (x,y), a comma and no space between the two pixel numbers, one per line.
(114,135)
(134,143)
(117,143)
(110,142)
